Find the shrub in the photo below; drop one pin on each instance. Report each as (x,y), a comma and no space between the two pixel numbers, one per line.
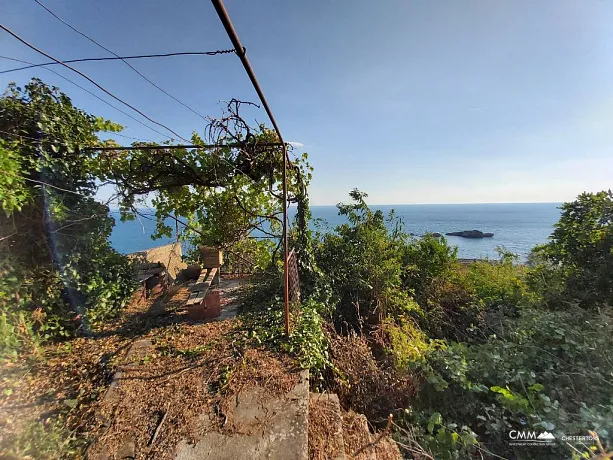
(496,284)
(547,370)
(582,243)
(366,264)
(425,261)
(363,384)
(58,272)
(408,345)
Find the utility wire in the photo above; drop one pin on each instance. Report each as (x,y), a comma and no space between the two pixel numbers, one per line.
(100,99)
(122,58)
(117,56)
(29,45)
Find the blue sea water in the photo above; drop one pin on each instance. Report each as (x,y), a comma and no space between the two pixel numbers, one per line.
(518,227)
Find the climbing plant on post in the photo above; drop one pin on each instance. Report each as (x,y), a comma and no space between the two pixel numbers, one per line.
(225,190)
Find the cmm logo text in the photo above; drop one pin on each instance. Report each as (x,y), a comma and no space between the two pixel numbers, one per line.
(530,436)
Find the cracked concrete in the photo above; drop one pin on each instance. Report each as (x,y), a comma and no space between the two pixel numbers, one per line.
(259,426)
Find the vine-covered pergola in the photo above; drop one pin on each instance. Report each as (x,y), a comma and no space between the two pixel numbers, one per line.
(222,188)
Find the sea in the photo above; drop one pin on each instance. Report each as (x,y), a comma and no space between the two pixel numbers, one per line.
(517,227)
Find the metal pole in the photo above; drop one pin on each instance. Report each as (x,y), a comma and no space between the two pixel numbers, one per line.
(172,147)
(241,52)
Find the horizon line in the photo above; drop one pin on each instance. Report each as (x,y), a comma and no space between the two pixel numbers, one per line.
(419,204)
(447,204)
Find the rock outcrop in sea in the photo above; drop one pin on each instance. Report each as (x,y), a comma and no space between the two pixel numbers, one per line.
(471,234)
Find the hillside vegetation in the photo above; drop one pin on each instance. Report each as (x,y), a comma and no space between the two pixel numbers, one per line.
(462,355)
(459,355)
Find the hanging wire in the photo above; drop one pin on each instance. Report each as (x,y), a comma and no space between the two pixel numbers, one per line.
(29,45)
(97,97)
(117,56)
(122,58)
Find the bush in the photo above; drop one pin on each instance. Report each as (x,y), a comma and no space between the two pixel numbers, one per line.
(58,273)
(363,384)
(363,263)
(407,344)
(582,243)
(546,371)
(498,284)
(547,281)
(425,261)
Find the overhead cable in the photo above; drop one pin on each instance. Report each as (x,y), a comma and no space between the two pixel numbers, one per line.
(29,45)
(117,56)
(100,99)
(140,56)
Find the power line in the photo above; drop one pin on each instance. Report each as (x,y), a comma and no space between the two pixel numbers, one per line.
(152,147)
(133,138)
(140,56)
(29,45)
(117,56)
(97,97)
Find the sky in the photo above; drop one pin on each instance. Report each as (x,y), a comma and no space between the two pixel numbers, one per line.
(411,101)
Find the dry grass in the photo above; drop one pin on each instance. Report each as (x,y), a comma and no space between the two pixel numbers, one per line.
(59,380)
(324,436)
(174,383)
(364,385)
(192,368)
(356,436)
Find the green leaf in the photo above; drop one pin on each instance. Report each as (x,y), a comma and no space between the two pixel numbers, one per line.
(72,403)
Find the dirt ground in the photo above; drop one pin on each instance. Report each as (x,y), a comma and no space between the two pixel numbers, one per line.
(186,368)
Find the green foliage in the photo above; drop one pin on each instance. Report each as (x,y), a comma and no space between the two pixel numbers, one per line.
(408,345)
(43,440)
(59,274)
(14,193)
(495,284)
(221,198)
(582,243)
(427,260)
(432,434)
(307,341)
(545,370)
(262,319)
(496,345)
(547,280)
(363,262)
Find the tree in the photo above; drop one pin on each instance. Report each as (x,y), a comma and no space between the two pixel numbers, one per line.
(57,261)
(582,244)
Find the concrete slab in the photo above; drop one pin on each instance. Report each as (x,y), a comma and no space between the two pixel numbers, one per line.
(259,426)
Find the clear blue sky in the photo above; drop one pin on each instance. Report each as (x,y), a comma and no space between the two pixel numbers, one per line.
(410,101)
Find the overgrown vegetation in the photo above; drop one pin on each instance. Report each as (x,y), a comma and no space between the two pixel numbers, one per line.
(490,347)
(460,354)
(59,275)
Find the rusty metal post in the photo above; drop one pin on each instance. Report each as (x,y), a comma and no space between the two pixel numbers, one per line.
(285,244)
(242,54)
